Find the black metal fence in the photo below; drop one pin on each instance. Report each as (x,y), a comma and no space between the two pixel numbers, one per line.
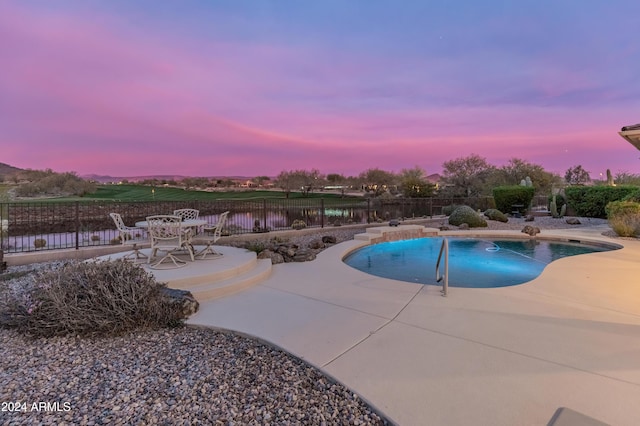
(31,226)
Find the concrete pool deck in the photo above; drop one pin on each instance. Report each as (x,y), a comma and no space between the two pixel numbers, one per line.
(503,356)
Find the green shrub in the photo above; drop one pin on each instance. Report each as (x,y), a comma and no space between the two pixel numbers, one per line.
(624,217)
(634,196)
(447,210)
(88,298)
(590,201)
(465,214)
(508,196)
(495,214)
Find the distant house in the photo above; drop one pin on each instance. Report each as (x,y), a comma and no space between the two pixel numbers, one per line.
(631,134)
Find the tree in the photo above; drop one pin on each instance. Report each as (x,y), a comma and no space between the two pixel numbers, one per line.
(377,181)
(301,180)
(414,184)
(577,176)
(467,176)
(517,169)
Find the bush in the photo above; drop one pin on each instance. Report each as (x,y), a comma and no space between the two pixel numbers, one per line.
(447,210)
(507,196)
(465,214)
(298,224)
(87,298)
(624,218)
(39,243)
(591,201)
(495,214)
(634,196)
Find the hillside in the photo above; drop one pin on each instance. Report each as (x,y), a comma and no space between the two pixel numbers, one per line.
(7,170)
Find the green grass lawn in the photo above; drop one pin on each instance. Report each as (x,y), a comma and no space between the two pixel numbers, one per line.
(147,193)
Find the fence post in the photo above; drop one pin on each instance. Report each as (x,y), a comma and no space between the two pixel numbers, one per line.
(264,213)
(77,225)
(321,212)
(368,210)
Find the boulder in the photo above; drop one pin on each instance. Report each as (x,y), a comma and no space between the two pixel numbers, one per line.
(463,226)
(329,239)
(394,222)
(181,302)
(531,230)
(573,221)
(304,255)
(268,254)
(316,245)
(529,218)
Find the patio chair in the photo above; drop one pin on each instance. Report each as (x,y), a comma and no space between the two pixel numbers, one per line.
(128,236)
(167,235)
(212,233)
(187,214)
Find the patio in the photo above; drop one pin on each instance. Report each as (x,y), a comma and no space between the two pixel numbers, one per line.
(504,356)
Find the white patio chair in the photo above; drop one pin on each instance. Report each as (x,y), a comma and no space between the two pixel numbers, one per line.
(188,214)
(128,236)
(212,233)
(166,234)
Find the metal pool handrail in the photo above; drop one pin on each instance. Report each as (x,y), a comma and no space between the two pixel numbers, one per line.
(444,248)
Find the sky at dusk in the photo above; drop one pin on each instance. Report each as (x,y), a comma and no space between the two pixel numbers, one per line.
(220,88)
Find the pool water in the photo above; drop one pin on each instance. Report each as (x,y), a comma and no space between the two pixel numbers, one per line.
(477,263)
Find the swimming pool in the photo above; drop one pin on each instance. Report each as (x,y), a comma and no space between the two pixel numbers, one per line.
(473,262)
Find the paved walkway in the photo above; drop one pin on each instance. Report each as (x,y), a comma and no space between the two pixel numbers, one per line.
(503,356)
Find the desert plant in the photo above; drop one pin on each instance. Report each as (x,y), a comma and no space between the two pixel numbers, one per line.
(590,201)
(39,243)
(88,298)
(495,214)
(447,210)
(508,196)
(298,224)
(95,238)
(624,218)
(465,214)
(553,208)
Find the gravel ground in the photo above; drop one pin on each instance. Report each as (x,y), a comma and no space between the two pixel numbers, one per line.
(183,375)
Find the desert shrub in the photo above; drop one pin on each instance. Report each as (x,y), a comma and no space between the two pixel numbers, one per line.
(495,214)
(634,196)
(507,196)
(298,224)
(624,217)
(465,214)
(95,238)
(447,210)
(591,201)
(39,243)
(87,298)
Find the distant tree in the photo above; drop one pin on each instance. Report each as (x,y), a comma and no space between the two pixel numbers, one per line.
(414,184)
(299,180)
(626,178)
(377,181)
(260,180)
(467,176)
(517,169)
(577,176)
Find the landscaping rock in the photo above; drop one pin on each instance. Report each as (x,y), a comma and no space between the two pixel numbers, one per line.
(329,239)
(529,218)
(268,254)
(182,302)
(316,244)
(304,255)
(531,230)
(573,221)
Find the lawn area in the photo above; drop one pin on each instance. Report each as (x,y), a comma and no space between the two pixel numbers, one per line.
(147,193)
